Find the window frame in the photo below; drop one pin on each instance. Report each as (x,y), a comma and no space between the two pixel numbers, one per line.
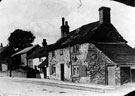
(53,53)
(53,69)
(75,70)
(76,48)
(61,51)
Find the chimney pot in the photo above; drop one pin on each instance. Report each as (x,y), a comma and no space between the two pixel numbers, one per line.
(64,28)
(66,23)
(1,45)
(44,43)
(63,21)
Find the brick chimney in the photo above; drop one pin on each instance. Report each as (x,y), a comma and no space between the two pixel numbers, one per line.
(44,43)
(64,28)
(104,15)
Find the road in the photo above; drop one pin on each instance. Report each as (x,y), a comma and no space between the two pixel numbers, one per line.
(13,87)
(24,87)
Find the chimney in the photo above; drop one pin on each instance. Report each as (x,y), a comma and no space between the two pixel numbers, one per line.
(64,28)
(63,21)
(1,45)
(44,43)
(104,13)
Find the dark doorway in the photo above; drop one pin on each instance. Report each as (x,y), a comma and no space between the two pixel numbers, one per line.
(62,72)
(125,75)
(45,73)
(133,75)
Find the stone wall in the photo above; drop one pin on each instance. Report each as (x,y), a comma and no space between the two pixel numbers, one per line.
(4,74)
(88,64)
(19,74)
(91,62)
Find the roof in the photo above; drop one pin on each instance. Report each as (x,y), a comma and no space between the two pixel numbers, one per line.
(45,62)
(25,50)
(119,53)
(2,49)
(38,53)
(92,32)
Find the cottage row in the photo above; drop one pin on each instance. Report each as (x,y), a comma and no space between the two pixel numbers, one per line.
(93,53)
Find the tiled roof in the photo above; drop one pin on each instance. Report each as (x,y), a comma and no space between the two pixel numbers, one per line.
(119,53)
(93,32)
(38,53)
(25,50)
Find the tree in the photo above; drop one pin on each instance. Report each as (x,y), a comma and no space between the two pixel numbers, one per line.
(21,39)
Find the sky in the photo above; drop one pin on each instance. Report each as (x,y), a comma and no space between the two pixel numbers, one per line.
(43,17)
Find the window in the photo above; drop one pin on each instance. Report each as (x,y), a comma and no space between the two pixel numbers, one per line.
(76,70)
(40,60)
(76,48)
(53,53)
(52,69)
(93,54)
(61,51)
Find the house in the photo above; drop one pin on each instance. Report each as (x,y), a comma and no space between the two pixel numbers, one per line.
(24,53)
(22,64)
(5,59)
(39,59)
(93,53)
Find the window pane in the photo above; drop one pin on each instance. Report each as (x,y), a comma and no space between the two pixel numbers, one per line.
(61,52)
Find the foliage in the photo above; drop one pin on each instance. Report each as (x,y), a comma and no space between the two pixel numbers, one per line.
(21,39)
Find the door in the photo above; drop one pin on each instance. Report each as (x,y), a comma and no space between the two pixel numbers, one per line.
(111,75)
(62,72)
(44,71)
(133,75)
(125,75)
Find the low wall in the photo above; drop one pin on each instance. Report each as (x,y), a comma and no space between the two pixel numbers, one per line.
(4,74)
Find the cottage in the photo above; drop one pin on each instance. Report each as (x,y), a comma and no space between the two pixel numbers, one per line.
(23,63)
(5,59)
(93,53)
(24,53)
(39,59)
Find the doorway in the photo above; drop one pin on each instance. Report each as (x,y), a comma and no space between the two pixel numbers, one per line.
(62,71)
(125,75)
(133,75)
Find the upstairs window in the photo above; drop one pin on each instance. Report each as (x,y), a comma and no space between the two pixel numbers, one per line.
(61,51)
(53,53)
(76,48)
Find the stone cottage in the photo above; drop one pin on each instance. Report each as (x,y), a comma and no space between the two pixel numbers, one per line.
(93,53)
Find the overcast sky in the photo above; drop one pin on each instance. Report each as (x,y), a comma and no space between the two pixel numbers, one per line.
(43,17)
